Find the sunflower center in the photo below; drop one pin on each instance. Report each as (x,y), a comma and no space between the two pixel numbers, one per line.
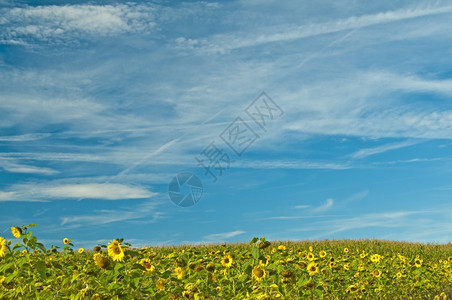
(116,250)
(258,273)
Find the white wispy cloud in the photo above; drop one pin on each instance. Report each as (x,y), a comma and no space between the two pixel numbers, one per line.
(391,219)
(73,21)
(326,206)
(292,164)
(148,210)
(218,237)
(356,197)
(226,42)
(63,191)
(21,168)
(342,107)
(302,206)
(382,149)
(24,137)
(108,191)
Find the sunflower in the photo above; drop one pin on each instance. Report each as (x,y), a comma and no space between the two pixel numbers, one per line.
(227,261)
(115,250)
(101,261)
(210,267)
(376,273)
(160,284)
(198,268)
(312,268)
(352,289)
(287,274)
(310,256)
(81,250)
(16,231)
(186,295)
(399,275)
(322,254)
(179,272)
(2,247)
(282,247)
(375,258)
(259,273)
(146,263)
(264,262)
(346,250)
(418,262)
(66,241)
(311,248)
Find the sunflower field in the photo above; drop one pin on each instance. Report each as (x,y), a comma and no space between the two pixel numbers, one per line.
(342,269)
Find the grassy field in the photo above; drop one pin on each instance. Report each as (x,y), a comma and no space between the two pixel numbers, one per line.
(330,269)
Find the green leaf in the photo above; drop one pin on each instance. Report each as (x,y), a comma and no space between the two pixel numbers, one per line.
(16,246)
(167,274)
(10,277)
(246,266)
(41,246)
(255,239)
(139,267)
(32,241)
(40,266)
(255,252)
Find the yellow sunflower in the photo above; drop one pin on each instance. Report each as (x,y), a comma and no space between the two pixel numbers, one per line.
(179,272)
(81,250)
(322,254)
(2,247)
(351,289)
(346,250)
(160,284)
(312,268)
(227,261)
(66,241)
(116,251)
(376,273)
(375,258)
(259,273)
(310,256)
(282,247)
(210,267)
(418,262)
(146,263)
(399,275)
(101,261)
(16,231)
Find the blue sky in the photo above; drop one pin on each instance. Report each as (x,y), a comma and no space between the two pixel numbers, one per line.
(103,103)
